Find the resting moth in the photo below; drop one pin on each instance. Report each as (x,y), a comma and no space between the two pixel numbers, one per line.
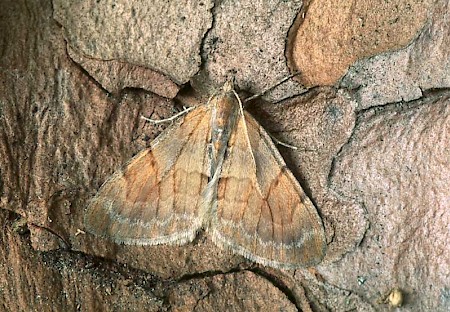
(218,170)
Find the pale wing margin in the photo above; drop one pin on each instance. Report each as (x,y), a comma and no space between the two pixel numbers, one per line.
(155,198)
(262,212)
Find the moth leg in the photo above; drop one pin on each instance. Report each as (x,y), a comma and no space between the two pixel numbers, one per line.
(158,121)
(282,143)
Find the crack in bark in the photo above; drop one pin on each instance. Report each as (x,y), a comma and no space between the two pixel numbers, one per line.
(279,284)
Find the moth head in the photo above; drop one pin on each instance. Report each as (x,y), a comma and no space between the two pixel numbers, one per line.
(228,86)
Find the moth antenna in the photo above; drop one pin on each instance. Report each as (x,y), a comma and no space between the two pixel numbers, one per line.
(271,88)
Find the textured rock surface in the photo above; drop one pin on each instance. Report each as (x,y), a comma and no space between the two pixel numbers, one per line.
(405,194)
(248,42)
(164,36)
(405,74)
(76,78)
(331,35)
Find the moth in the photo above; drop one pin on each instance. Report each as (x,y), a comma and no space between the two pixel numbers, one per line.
(214,169)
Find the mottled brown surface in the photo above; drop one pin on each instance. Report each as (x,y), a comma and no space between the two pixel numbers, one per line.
(116,75)
(404,75)
(406,194)
(331,35)
(248,42)
(75,80)
(162,36)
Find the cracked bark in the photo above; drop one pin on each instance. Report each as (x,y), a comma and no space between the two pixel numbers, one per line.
(71,98)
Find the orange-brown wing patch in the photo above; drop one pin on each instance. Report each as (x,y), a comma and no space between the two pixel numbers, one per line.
(156,198)
(262,212)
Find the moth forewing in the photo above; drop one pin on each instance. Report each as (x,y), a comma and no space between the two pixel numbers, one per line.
(262,212)
(155,198)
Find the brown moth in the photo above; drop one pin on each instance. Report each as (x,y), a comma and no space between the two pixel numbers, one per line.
(218,170)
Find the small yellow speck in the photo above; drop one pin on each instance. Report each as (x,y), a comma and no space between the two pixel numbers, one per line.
(395,298)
